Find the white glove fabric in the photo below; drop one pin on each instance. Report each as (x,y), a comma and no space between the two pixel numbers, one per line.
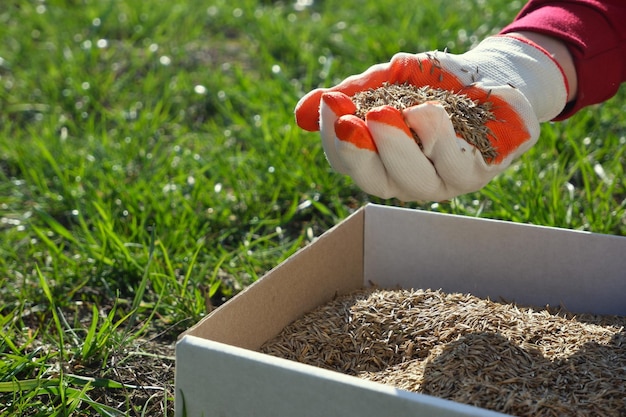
(523,83)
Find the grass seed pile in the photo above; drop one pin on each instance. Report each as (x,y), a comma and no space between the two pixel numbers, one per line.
(500,356)
(468,116)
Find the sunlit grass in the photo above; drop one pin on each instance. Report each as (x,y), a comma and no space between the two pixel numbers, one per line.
(150,168)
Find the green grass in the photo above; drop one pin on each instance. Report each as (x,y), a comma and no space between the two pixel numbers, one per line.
(150,168)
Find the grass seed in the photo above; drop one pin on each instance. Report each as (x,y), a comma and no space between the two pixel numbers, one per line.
(499,356)
(468,116)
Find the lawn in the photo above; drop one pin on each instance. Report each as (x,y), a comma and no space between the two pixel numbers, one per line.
(150,168)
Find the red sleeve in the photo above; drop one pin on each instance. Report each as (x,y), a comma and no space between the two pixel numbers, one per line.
(595,33)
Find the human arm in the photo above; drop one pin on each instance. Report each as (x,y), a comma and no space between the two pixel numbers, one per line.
(594,34)
(582,39)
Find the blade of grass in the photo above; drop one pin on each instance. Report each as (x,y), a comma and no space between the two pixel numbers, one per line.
(90,342)
(194,258)
(53,309)
(107,230)
(44,385)
(141,289)
(56,227)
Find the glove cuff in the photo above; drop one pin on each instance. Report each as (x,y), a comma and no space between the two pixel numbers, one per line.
(520,63)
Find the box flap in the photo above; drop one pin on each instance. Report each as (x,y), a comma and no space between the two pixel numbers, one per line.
(273,387)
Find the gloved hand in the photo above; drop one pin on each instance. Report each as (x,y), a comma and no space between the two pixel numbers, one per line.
(523,83)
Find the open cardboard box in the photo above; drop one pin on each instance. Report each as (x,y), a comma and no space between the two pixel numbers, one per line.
(220,373)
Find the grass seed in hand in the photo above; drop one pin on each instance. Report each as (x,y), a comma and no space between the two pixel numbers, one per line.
(468,117)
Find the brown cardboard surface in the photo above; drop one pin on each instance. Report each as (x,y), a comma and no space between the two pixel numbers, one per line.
(306,280)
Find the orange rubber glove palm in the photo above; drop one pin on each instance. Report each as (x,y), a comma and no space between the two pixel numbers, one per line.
(522,82)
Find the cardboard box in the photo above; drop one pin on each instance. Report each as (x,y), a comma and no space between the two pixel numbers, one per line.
(220,373)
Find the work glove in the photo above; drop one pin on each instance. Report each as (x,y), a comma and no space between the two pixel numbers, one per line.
(520,80)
